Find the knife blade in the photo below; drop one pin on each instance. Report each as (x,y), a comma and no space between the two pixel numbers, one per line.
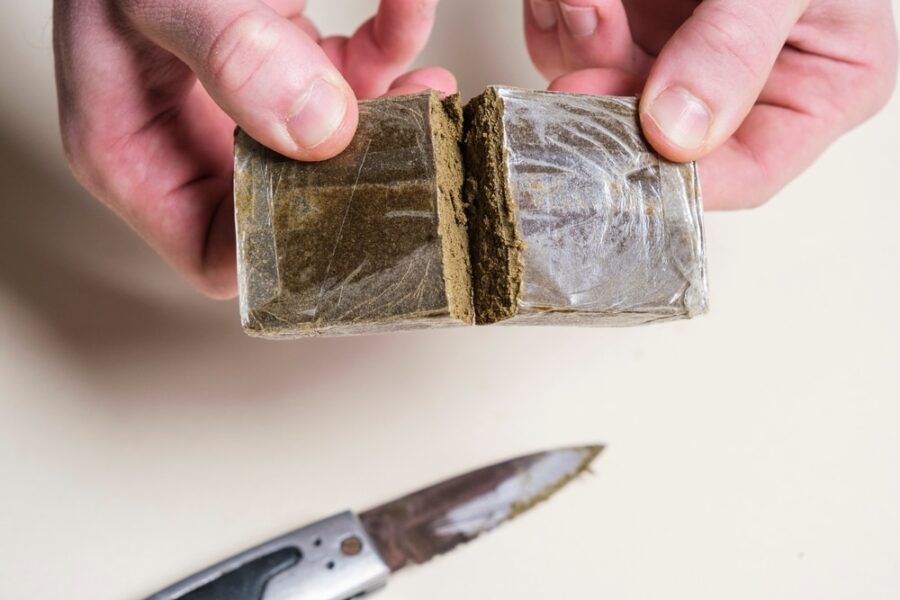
(347,556)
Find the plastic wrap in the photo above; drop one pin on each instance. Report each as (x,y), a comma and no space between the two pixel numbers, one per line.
(602,230)
(373,240)
(572,219)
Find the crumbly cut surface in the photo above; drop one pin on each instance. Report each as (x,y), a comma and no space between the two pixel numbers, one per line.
(494,238)
(608,232)
(447,125)
(535,208)
(355,244)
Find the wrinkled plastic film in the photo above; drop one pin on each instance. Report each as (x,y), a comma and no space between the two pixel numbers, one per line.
(374,240)
(349,245)
(612,233)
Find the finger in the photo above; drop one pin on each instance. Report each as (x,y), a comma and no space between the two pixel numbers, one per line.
(756,162)
(595,33)
(293,10)
(384,47)
(401,28)
(307,26)
(287,8)
(601,82)
(268,75)
(708,76)
(144,138)
(541,23)
(427,78)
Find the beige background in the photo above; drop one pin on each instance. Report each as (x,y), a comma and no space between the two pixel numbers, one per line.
(754,453)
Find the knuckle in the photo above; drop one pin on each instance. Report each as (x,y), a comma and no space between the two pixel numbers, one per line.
(848,92)
(871,86)
(399,39)
(737,38)
(756,201)
(95,159)
(886,73)
(144,11)
(883,92)
(391,47)
(81,155)
(217,283)
(238,51)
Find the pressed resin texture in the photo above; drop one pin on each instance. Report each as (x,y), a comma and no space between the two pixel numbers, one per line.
(495,242)
(372,240)
(576,217)
(559,213)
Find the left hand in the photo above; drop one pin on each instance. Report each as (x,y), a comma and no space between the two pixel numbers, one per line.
(149,92)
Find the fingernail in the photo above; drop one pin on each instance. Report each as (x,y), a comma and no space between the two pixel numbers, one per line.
(318,115)
(581,21)
(544,13)
(683,118)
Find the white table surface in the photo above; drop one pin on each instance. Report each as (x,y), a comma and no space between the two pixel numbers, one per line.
(754,453)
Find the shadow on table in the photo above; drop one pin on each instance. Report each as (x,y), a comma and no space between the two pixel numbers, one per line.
(112,311)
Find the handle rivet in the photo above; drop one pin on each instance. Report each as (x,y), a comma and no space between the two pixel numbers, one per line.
(351,546)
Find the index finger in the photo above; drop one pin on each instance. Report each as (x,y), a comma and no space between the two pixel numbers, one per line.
(385,45)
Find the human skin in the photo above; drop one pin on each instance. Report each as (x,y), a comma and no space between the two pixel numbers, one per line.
(754,90)
(150,92)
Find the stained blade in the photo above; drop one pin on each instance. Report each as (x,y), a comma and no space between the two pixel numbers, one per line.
(435,520)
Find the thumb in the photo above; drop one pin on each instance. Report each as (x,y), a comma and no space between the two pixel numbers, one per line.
(261,69)
(711,72)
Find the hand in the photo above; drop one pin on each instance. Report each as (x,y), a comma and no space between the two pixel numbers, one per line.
(754,89)
(150,90)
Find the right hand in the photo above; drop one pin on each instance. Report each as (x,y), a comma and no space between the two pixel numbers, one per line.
(754,90)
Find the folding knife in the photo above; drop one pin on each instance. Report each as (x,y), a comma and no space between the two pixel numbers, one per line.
(348,556)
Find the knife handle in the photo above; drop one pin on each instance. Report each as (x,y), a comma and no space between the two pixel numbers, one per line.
(333,559)
(247,581)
